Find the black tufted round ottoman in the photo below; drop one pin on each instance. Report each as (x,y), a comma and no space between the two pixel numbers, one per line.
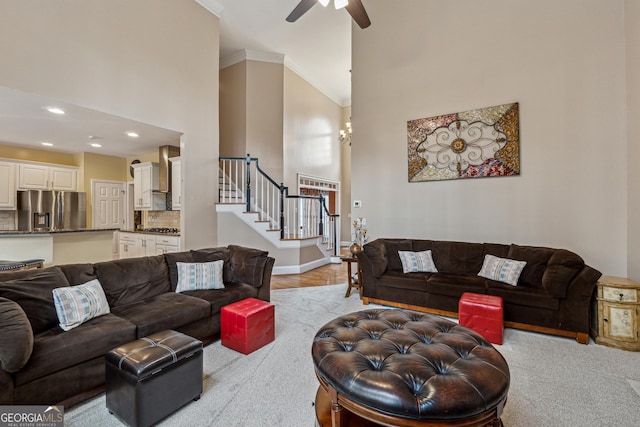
(397,367)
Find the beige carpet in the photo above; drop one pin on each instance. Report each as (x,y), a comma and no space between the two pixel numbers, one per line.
(554,381)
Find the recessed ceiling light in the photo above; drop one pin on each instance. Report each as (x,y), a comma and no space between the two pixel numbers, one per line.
(55,110)
(132,134)
(47,144)
(95,144)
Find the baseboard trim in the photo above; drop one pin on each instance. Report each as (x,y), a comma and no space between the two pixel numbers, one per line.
(297,269)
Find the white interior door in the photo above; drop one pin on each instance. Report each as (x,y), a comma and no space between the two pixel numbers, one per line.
(108,204)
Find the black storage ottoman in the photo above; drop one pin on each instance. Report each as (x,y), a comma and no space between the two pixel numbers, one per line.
(148,379)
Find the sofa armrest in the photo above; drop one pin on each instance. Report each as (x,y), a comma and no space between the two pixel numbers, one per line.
(264,291)
(6,388)
(248,265)
(562,268)
(377,259)
(576,307)
(16,336)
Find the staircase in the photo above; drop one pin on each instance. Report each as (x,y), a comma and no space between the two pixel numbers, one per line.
(288,223)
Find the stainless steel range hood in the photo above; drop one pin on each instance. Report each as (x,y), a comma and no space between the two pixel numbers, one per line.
(164,170)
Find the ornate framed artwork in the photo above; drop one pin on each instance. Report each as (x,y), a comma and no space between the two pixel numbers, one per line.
(472,144)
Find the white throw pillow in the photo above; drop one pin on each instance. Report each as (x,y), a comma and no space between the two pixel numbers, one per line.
(77,304)
(193,276)
(413,262)
(501,269)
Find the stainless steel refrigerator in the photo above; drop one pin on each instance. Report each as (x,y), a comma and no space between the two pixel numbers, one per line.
(51,210)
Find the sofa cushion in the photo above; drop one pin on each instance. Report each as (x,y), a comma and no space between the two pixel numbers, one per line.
(231,293)
(455,284)
(34,295)
(422,245)
(130,280)
(392,247)
(536,259)
(215,254)
(502,269)
(77,304)
(458,257)
(410,281)
(172,259)
(416,262)
(78,273)
(523,295)
(199,275)
(247,264)
(164,311)
(16,339)
(54,350)
(496,249)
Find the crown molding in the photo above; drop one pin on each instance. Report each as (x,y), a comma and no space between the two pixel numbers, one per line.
(251,55)
(279,58)
(299,71)
(212,6)
(257,55)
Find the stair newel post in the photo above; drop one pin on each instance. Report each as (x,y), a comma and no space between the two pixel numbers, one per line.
(321,224)
(282,190)
(335,237)
(248,190)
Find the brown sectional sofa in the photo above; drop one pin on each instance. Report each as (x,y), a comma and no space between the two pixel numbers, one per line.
(553,294)
(42,364)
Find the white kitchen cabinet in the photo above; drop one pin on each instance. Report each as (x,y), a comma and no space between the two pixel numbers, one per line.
(167,244)
(134,245)
(64,179)
(7,185)
(127,243)
(45,177)
(145,182)
(176,183)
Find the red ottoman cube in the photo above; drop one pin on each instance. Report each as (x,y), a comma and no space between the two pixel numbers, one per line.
(247,325)
(483,314)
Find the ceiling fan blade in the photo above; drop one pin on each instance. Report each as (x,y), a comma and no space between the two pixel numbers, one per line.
(357,12)
(301,9)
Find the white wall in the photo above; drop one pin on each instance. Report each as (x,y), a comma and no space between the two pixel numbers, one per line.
(563,61)
(155,61)
(345,187)
(632,17)
(265,81)
(311,129)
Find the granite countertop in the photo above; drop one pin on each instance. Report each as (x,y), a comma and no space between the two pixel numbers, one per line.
(156,233)
(36,232)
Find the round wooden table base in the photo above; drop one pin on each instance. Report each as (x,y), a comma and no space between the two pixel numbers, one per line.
(323,413)
(350,419)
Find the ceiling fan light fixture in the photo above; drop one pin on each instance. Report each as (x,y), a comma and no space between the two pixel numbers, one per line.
(340,3)
(55,110)
(325,3)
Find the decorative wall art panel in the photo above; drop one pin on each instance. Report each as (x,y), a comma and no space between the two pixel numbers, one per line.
(472,144)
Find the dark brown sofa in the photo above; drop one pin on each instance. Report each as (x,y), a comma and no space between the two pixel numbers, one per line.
(42,364)
(553,294)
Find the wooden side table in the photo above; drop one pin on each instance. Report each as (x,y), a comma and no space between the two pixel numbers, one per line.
(615,313)
(351,283)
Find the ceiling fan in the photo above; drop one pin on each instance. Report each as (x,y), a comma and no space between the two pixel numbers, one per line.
(354,7)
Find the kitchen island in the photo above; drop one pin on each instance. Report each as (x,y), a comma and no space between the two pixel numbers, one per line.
(59,246)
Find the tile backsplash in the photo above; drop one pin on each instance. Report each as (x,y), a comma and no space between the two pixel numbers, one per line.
(8,220)
(161,219)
